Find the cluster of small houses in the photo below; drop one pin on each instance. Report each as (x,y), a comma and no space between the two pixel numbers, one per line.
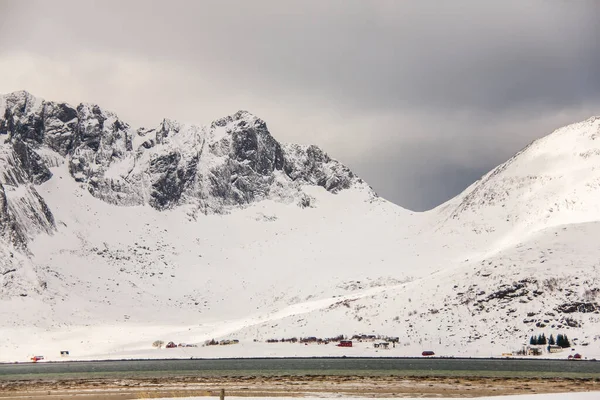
(225,342)
(379,342)
(538,343)
(172,345)
(538,351)
(307,340)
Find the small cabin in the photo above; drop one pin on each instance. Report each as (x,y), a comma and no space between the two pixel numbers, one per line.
(534,351)
(171,345)
(345,343)
(382,345)
(554,349)
(64,353)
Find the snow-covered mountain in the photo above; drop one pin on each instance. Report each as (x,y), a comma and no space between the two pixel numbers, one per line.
(551,182)
(113,237)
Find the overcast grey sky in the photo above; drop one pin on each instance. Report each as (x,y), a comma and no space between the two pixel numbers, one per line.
(419,98)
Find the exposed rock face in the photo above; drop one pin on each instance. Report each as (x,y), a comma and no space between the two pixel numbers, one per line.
(232,162)
(30,163)
(23,212)
(312,166)
(4,221)
(170,177)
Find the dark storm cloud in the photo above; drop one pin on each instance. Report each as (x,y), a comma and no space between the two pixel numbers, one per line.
(441,91)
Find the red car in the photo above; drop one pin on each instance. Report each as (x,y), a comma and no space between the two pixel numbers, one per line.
(428,353)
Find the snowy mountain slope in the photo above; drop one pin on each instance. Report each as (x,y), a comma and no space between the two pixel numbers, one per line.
(547,284)
(155,271)
(553,181)
(113,237)
(261,249)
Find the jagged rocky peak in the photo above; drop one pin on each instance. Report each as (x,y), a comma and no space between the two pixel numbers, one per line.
(234,161)
(247,139)
(60,126)
(311,165)
(19,103)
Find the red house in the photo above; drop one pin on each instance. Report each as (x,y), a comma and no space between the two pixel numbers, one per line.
(345,343)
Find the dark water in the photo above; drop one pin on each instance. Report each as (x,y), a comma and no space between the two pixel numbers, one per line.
(304,366)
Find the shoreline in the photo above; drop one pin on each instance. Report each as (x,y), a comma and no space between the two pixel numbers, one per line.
(292,358)
(292,386)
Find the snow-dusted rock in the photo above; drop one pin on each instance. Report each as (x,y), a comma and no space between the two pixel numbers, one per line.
(23,212)
(233,162)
